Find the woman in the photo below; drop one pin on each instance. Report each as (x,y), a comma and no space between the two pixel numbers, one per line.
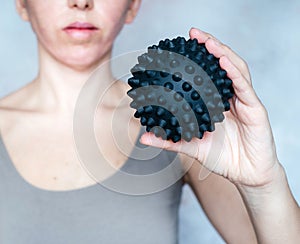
(50,198)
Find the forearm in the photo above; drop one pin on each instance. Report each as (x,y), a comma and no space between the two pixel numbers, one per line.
(274,212)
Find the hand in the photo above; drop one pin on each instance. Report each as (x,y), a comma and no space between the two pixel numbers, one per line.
(248,156)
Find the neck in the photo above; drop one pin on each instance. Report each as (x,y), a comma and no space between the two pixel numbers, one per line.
(58,85)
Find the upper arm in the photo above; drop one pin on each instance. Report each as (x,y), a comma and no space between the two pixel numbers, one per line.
(222,204)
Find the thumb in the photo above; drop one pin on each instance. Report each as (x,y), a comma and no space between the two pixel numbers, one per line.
(196,148)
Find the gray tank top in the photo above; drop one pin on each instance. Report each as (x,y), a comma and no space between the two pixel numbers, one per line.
(94,214)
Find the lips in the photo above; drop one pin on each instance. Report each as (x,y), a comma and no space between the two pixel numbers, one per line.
(81,31)
(81,26)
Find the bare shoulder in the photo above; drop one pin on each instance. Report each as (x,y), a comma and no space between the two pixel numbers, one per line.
(197,176)
(15,100)
(10,107)
(6,109)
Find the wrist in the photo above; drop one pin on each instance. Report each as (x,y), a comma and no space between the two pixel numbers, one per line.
(271,197)
(274,186)
(273,210)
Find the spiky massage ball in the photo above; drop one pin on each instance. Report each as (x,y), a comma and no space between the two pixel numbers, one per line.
(179,90)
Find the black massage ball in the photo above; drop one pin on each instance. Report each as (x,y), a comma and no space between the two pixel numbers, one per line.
(179,90)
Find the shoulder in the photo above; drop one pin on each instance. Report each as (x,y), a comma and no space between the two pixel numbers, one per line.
(11,106)
(16,100)
(6,109)
(197,176)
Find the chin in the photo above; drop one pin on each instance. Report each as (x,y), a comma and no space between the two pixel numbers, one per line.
(82,66)
(85,59)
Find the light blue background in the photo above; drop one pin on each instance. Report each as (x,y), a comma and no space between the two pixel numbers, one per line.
(265,33)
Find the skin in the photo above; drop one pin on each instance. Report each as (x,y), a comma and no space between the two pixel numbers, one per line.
(248,177)
(248,158)
(42,111)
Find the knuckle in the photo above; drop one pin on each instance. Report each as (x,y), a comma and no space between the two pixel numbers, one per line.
(210,35)
(263,111)
(226,48)
(244,65)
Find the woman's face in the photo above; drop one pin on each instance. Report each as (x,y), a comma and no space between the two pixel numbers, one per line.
(78,33)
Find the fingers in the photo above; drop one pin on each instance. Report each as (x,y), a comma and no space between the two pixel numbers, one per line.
(189,148)
(201,36)
(242,88)
(236,68)
(151,140)
(218,49)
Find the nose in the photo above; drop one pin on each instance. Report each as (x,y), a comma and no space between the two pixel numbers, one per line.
(81,4)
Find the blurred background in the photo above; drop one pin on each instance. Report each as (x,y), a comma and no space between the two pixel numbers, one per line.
(265,33)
